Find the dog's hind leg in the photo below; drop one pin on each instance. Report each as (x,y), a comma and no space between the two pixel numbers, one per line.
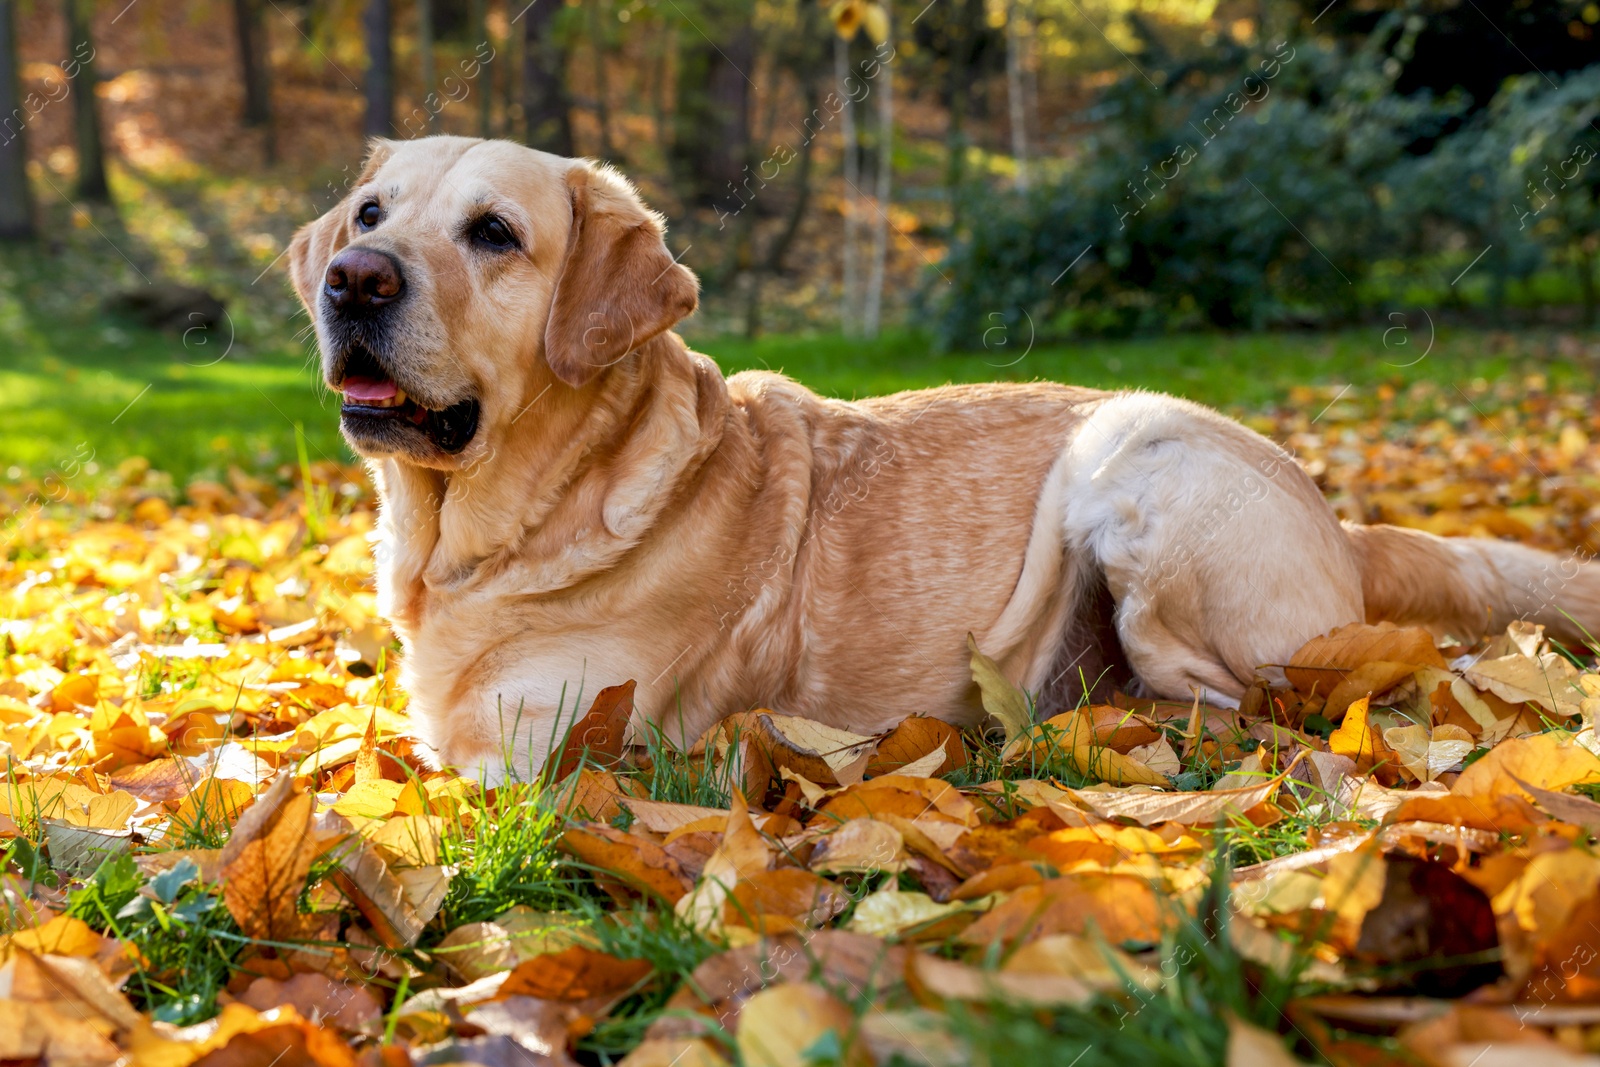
(1218,550)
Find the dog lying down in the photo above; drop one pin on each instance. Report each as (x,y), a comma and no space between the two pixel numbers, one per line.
(571,497)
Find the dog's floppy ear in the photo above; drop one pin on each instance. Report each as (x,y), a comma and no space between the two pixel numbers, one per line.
(316,242)
(619,286)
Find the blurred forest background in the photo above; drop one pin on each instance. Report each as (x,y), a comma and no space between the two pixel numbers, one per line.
(1225,198)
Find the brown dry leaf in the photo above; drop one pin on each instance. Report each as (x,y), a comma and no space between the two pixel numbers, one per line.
(44,1033)
(1148,808)
(934,981)
(1005,703)
(600,733)
(1323,662)
(1549,681)
(742,853)
(574,973)
(1093,963)
(1118,907)
(916,739)
(784,899)
(637,861)
(781,1024)
(1251,1046)
(1368,680)
(159,780)
(317,997)
(1428,752)
(861,845)
(824,754)
(1072,736)
(1549,760)
(265,864)
(397,903)
(1579,811)
(588,794)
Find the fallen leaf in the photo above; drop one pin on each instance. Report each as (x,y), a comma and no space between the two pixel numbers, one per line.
(1549,760)
(574,973)
(1427,752)
(1356,740)
(1323,662)
(637,861)
(265,864)
(1549,681)
(1005,703)
(785,1025)
(600,733)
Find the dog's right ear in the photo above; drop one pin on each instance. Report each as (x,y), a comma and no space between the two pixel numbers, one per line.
(316,242)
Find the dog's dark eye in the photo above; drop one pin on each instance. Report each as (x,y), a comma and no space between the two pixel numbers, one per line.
(369,215)
(491,230)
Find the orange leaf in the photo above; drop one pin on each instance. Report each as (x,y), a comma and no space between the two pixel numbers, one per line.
(598,733)
(574,973)
(1121,908)
(265,864)
(1323,662)
(914,739)
(637,861)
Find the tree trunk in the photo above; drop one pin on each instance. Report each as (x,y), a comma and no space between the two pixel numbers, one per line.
(1583,260)
(546,107)
(377,23)
(255,72)
(851,163)
(16,199)
(781,244)
(1016,92)
(85,107)
(430,78)
(880,223)
(957,86)
(483,84)
(711,126)
(602,90)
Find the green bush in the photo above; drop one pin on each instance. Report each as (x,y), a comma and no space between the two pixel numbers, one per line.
(1267,195)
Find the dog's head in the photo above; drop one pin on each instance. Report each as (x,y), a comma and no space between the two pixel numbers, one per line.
(460,277)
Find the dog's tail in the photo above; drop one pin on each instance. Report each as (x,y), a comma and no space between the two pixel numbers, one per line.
(1470,586)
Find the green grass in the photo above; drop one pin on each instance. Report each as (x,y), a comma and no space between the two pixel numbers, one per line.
(81,391)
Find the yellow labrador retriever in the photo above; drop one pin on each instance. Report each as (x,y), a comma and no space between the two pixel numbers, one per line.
(571,497)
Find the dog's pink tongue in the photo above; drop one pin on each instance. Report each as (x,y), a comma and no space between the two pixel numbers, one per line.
(369,388)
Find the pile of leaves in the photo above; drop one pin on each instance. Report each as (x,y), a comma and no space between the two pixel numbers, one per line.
(222,845)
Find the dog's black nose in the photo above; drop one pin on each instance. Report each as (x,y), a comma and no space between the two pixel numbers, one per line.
(362,279)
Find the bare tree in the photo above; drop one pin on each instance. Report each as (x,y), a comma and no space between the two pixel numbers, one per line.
(483,84)
(85,108)
(546,107)
(880,224)
(1016,91)
(16,199)
(851,163)
(378,24)
(255,70)
(430,77)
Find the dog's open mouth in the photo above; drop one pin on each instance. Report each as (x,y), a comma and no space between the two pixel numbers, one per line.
(376,409)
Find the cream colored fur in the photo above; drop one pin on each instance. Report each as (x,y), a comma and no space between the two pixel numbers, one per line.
(743,542)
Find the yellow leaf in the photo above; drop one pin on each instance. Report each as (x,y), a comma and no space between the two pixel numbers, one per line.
(1550,760)
(372,799)
(782,1025)
(1355,738)
(1004,701)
